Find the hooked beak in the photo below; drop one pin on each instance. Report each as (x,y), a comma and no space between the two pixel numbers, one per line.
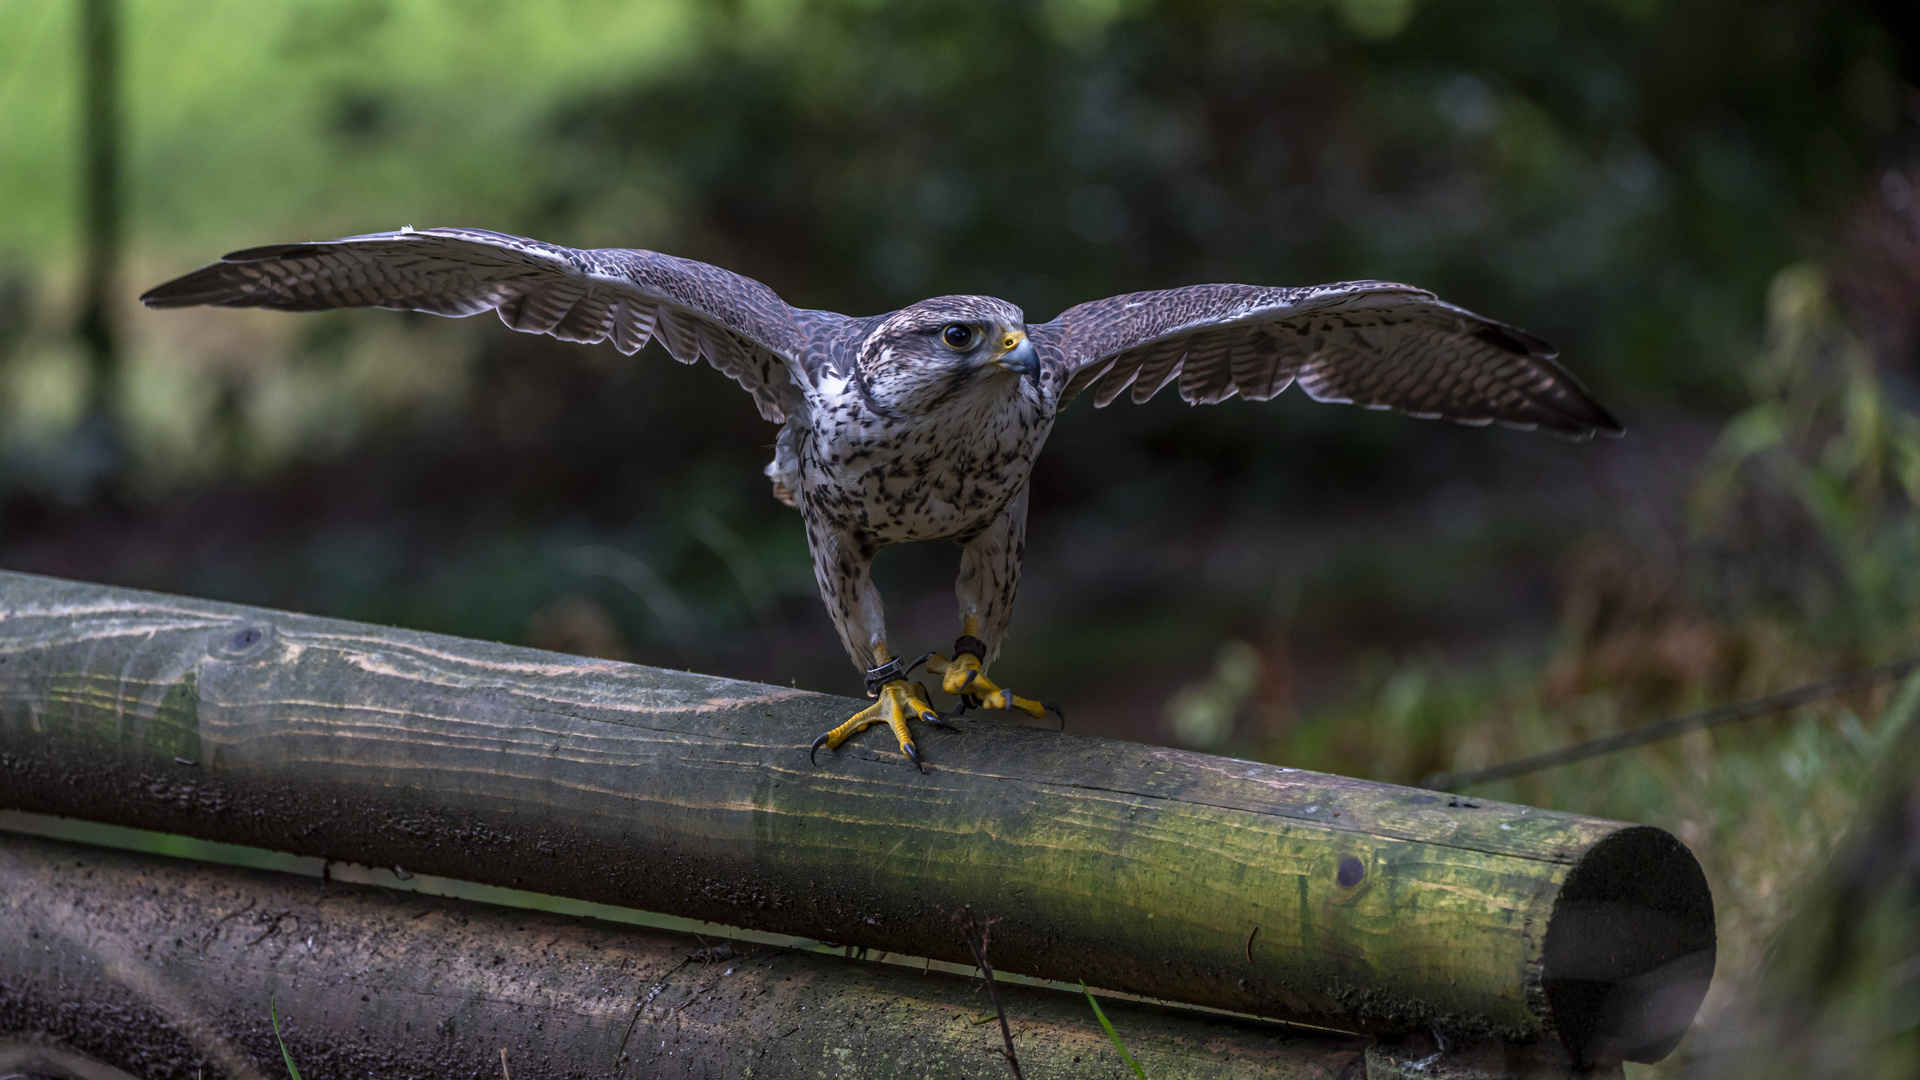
(1017,355)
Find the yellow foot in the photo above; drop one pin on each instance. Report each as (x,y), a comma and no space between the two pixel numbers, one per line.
(965,677)
(899,701)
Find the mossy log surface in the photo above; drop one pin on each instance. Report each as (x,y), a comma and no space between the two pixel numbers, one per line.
(1176,875)
(165,969)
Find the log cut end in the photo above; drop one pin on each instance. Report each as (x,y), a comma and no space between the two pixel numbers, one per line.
(1629,949)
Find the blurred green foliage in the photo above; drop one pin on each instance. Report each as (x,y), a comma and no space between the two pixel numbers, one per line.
(1839,995)
(1622,176)
(304,118)
(1805,561)
(1824,434)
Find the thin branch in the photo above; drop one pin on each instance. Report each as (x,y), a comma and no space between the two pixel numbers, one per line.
(1667,729)
(976,935)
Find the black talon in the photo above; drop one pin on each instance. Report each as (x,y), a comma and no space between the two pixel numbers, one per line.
(817,744)
(930,714)
(908,670)
(934,715)
(914,756)
(1055,710)
(967,701)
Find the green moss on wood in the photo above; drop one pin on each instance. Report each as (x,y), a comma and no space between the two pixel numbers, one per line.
(1177,875)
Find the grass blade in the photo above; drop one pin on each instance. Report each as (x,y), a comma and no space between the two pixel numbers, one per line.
(1106,1026)
(294,1071)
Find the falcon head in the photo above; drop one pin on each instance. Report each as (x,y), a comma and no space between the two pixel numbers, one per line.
(929,354)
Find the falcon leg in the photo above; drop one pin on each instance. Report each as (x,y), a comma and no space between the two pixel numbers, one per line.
(841,562)
(989,575)
(899,701)
(965,677)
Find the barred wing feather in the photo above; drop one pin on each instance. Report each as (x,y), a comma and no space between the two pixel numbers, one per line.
(1369,343)
(623,295)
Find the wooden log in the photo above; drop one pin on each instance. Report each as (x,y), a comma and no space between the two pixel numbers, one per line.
(165,969)
(1175,875)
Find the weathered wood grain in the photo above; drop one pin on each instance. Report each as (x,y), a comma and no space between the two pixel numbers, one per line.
(165,968)
(1176,875)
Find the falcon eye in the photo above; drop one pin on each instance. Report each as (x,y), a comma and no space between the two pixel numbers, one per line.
(957,335)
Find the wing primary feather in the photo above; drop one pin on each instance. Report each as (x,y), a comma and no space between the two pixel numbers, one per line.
(1084,378)
(1126,368)
(1376,344)
(1206,374)
(587,321)
(545,305)
(1161,367)
(1514,340)
(632,326)
(630,296)
(723,352)
(676,332)
(1251,367)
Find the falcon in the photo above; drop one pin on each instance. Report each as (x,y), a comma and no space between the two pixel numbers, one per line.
(923,423)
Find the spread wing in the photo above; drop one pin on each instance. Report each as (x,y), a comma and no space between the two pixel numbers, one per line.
(627,296)
(1370,343)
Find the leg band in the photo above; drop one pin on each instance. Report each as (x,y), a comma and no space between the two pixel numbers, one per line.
(878,677)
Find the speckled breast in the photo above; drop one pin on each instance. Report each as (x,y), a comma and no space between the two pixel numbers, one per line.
(948,474)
